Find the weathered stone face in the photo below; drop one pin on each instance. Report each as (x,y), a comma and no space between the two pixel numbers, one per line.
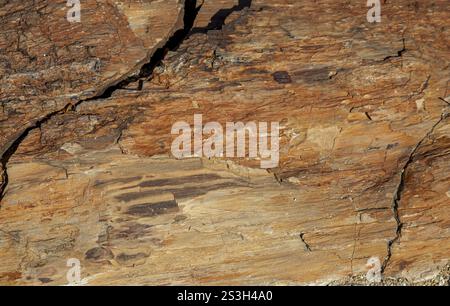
(364,144)
(48,63)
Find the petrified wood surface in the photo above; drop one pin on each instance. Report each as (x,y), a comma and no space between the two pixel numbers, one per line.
(88,172)
(48,64)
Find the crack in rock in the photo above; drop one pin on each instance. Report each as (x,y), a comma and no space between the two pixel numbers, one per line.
(399,53)
(218,20)
(307,246)
(399,190)
(190,13)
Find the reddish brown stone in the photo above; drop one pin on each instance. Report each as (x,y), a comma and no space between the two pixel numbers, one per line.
(364,149)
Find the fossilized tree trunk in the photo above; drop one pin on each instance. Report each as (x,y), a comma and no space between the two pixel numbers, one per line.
(87,111)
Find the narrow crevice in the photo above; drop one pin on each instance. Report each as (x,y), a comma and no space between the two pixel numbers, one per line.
(275,175)
(442,99)
(307,246)
(399,190)
(399,53)
(15,145)
(218,20)
(191,11)
(190,14)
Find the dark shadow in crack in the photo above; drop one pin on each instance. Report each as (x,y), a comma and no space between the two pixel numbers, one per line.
(218,20)
(190,14)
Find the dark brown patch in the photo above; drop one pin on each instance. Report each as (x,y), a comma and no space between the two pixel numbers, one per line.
(186,192)
(255,71)
(45,280)
(313,75)
(118,181)
(153,209)
(122,257)
(99,254)
(179,218)
(282,77)
(200,178)
(132,231)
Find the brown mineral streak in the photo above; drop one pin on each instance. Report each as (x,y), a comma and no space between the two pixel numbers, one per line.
(87,170)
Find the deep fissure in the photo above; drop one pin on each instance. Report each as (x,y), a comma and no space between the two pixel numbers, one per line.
(398,193)
(190,14)
(218,20)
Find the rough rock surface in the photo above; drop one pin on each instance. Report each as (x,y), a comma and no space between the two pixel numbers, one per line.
(48,63)
(364,149)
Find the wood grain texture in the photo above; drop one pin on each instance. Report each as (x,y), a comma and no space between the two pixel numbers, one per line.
(364,145)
